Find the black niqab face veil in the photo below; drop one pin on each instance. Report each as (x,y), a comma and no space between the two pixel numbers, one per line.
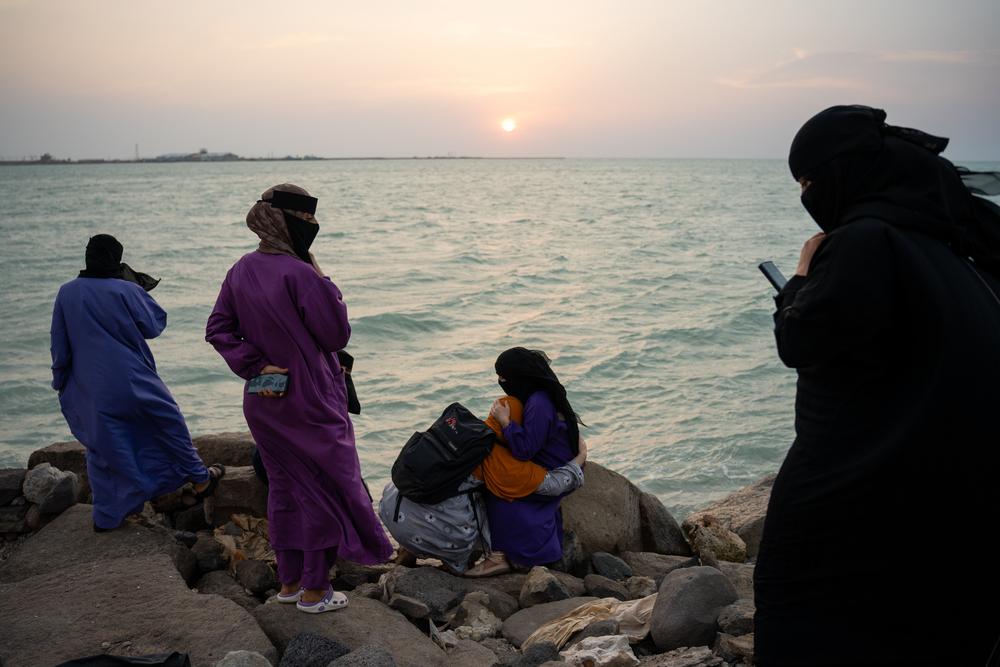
(858,166)
(524,372)
(104,260)
(301,232)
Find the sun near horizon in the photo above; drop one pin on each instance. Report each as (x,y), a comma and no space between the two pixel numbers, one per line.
(508,125)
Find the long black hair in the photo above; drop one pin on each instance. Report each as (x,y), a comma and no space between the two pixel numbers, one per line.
(526,371)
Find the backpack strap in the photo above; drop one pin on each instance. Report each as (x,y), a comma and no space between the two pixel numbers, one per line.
(471,493)
(399,501)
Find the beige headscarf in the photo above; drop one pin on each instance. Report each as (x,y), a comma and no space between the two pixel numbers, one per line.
(268,222)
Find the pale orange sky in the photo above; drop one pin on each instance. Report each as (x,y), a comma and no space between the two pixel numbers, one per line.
(86,78)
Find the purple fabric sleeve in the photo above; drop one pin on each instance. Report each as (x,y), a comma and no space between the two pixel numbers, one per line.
(324,313)
(223,333)
(149,317)
(527,440)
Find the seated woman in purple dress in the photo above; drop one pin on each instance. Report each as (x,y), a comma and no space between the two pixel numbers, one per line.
(278,313)
(528,531)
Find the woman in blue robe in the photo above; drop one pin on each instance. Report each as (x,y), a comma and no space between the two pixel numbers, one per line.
(138,446)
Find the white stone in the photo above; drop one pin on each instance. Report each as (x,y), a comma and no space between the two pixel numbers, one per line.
(607,651)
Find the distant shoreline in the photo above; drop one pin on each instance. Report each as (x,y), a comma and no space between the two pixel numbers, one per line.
(91,161)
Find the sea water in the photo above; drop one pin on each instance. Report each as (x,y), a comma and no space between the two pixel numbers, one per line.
(637,277)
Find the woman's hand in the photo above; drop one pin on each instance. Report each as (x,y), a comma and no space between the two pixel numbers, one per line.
(501,412)
(272,370)
(808,250)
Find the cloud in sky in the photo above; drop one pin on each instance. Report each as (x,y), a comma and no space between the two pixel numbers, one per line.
(649,78)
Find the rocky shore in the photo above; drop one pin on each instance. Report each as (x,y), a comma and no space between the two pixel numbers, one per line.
(634,586)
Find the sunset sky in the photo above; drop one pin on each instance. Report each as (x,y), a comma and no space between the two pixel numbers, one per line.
(625,78)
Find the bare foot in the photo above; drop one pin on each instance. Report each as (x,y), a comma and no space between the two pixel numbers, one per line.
(313,594)
(288,589)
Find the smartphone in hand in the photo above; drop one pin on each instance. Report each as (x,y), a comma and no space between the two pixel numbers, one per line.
(276,382)
(773,275)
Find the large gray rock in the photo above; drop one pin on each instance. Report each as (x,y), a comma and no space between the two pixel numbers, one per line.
(603,587)
(688,606)
(311,650)
(69,612)
(229,449)
(256,576)
(369,655)
(541,587)
(210,553)
(742,512)
(364,621)
(442,592)
(519,626)
(468,653)
(604,512)
(70,456)
(656,566)
(610,566)
(70,540)
(11,481)
(13,519)
(239,492)
(660,532)
(512,583)
(53,490)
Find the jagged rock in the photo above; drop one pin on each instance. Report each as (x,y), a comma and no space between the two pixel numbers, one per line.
(243,659)
(640,587)
(70,539)
(68,456)
(741,512)
(603,587)
(371,591)
(229,449)
(370,573)
(688,606)
(536,655)
(602,628)
(440,591)
(187,538)
(696,656)
(610,566)
(138,599)
(468,653)
(656,566)
(191,519)
(363,622)
(741,576)
(711,539)
(609,651)
(501,648)
(473,620)
(220,583)
(210,553)
(660,532)
(369,655)
(733,648)
(519,626)
(12,519)
(511,583)
(239,492)
(541,587)
(53,490)
(11,481)
(256,576)
(737,618)
(604,512)
(311,650)
(410,607)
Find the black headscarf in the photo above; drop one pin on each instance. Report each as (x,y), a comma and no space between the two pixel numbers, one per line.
(104,260)
(526,371)
(860,167)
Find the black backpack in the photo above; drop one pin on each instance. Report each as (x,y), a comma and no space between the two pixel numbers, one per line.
(433,464)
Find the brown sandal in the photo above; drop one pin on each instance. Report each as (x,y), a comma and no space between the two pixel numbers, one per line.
(494,564)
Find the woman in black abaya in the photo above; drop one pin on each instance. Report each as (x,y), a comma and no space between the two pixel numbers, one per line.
(869,553)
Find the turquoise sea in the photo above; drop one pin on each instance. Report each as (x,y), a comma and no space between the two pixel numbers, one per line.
(638,278)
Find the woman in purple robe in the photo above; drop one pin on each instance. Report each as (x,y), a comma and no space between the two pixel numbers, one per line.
(138,446)
(277,313)
(528,531)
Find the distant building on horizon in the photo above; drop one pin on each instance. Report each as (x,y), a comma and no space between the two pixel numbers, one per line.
(201,156)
